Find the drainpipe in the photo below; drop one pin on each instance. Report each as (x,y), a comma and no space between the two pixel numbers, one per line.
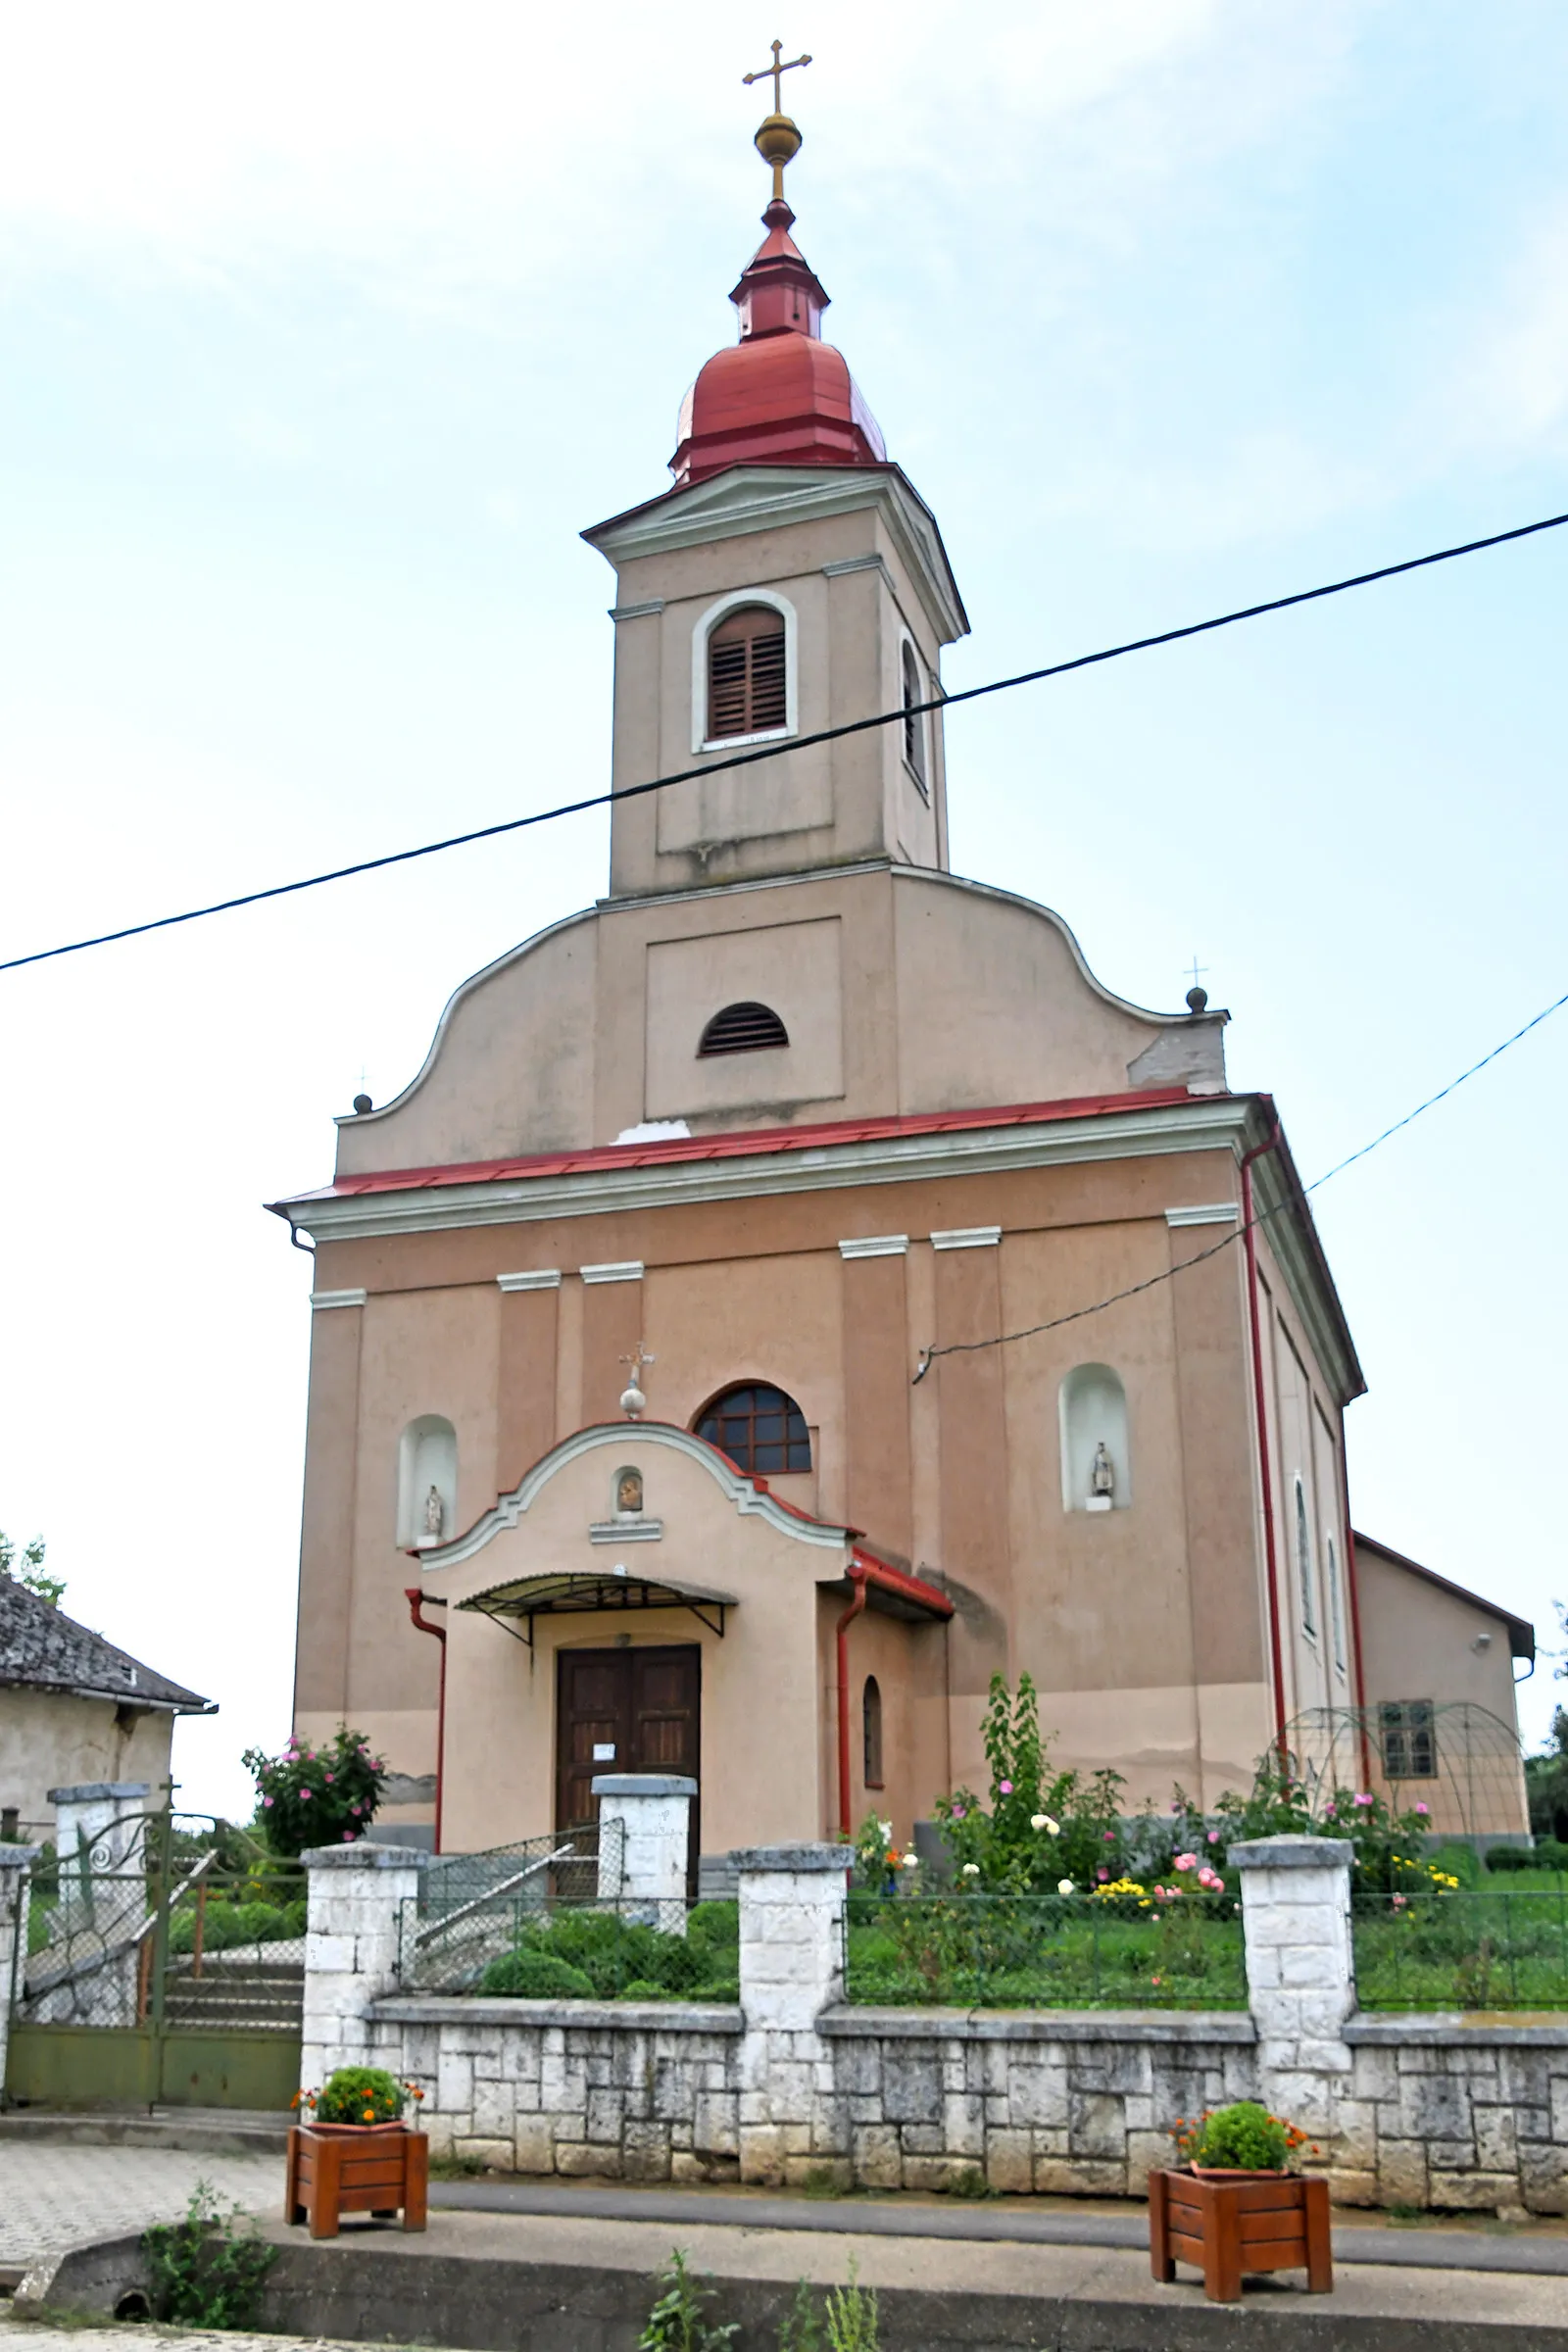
(1352,1586)
(858,1597)
(416,1599)
(1260,1399)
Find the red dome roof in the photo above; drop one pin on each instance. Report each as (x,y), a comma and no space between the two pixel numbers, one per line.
(780,396)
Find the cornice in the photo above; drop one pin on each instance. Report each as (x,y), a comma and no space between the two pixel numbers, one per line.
(762,498)
(1203,1123)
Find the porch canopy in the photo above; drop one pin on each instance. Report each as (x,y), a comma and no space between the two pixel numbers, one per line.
(570,1590)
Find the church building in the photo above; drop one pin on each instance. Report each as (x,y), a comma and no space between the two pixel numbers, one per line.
(661,1361)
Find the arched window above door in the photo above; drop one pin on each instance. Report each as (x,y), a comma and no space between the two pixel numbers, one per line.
(763,1431)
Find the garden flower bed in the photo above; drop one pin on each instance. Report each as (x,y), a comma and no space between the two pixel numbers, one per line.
(1121,1947)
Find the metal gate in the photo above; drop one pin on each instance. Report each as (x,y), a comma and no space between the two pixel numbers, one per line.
(162,1964)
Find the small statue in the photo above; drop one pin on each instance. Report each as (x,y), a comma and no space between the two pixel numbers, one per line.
(629,1493)
(1101,1472)
(435,1511)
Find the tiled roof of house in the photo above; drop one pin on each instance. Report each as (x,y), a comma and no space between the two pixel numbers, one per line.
(41,1648)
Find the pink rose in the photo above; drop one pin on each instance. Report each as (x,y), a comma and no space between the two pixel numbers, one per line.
(348,1837)
(1005,1787)
(1187,1861)
(957,1812)
(1214,1836)
(304,1792)
(266,1801)
(1423,1808)
(1111,1837)
(1102,1874)
(330,1780)
(1363,1800)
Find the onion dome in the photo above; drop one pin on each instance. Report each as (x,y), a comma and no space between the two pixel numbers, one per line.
(780,396)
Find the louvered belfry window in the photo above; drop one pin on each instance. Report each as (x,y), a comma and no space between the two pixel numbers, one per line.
(742,1029)
(746,674)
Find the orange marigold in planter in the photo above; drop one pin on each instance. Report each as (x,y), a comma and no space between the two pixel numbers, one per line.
(357,2154)
(1236,2206)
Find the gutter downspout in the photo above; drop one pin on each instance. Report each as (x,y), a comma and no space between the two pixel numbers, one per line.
(416,1600)
(1352,1587)
(858,1601)
(1261,1402)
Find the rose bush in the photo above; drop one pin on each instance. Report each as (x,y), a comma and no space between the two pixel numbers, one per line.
(323,1796)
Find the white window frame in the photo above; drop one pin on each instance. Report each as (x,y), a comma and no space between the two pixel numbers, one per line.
(706,623)
(1306,1564)
(1338,1649)
(921,786)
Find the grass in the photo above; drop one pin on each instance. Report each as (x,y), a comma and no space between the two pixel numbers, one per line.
(1503,1944)
(600,1954)
(1041,1953)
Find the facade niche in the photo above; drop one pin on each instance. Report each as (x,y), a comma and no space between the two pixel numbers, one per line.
(428,1483)
(1096,1456)
(871,1731)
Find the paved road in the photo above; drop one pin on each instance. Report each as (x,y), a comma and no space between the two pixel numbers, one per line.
(53,2196)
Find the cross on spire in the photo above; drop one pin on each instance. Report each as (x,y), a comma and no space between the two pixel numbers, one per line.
(779,73)
(1197,972)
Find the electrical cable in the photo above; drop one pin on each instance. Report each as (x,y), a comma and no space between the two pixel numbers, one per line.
(1295,1195)
(794,743)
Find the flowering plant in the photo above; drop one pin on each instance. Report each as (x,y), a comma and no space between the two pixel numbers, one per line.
(1243,2137)
(323,1796)
(1038,1824)
(879,1863)
(358,2094)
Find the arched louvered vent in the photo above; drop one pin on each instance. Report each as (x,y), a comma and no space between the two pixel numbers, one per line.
(743,1029)
(747,692)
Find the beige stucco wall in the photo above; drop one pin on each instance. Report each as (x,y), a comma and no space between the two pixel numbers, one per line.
(903,992)
(49,1740)
(1419,1642)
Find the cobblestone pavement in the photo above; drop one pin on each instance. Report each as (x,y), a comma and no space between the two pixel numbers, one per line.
(53,2196)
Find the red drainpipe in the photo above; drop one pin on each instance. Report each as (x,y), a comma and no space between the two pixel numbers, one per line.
(858,1597)
(415,1598)
(1353,1587)
(1260,1397)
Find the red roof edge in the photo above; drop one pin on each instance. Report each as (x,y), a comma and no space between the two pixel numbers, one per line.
(736,1144)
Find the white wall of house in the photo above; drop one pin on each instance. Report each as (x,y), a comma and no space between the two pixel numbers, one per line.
(51,1739)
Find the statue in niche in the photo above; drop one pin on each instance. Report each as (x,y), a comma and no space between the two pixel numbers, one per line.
(629,1493)
(1102,1473)
(435,1511)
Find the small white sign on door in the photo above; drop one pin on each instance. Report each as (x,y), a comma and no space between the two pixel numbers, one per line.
(604,1751)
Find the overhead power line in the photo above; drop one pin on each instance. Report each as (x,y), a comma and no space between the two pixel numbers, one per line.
(1297,1193)
(794,743)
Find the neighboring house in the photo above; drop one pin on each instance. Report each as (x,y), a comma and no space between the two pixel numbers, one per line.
(74,1709)
(792,1105)
(1439,1668)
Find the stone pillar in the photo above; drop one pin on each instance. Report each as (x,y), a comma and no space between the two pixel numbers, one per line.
(16,1867)
(644,1839)
(358,1895)
(1301,1974)
(791,1901)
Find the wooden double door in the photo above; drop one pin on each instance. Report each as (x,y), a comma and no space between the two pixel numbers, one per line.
(626,1710)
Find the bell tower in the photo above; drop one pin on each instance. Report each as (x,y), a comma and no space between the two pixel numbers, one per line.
(791,580)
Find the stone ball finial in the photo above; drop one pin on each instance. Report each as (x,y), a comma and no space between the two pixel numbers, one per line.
(633,1403)
(1197,999)
(362,1104)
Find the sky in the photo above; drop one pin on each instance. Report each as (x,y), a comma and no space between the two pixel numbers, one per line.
(327,330)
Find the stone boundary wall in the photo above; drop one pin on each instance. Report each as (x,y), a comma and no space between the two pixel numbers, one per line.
(1437,2111)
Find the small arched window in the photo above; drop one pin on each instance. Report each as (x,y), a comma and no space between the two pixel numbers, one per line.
(762,1430)
(743,1029)
(1304,1559)
(428,1483)
(913,720)
(1096,1472)
(871,1731)
(747,690)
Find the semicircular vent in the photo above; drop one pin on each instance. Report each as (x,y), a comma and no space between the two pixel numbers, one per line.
(743,1029)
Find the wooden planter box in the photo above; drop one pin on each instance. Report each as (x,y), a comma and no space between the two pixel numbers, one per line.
(1230,2223)
(333,2169)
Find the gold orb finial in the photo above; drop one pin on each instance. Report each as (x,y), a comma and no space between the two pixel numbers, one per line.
(778,139)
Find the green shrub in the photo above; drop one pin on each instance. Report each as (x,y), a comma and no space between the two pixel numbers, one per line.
(1243,2137)
(1513,1857)
(676,2323)
(532,1975)
(360,2094)
(202,2272)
